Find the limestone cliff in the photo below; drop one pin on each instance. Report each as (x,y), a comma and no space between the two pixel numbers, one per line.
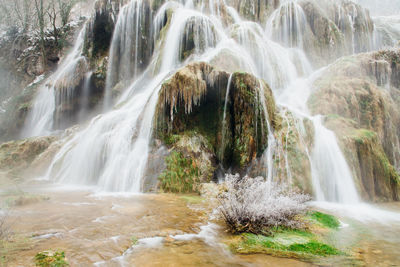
(359,95)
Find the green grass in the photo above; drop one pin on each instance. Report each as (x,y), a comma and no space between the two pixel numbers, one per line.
(315,248)
(326,220)
(51,259)
(297,244)
(192,199)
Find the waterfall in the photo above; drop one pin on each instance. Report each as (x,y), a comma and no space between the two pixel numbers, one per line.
(131,46)
(332,177)
(40,119)
(111,151)
(287,24)
(224,122)
(57,89)
(85,101)
(272,62)
(185,24)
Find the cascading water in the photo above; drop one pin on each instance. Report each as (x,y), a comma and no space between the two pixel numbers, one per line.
(131,46)
(224,122)
(57,89)
(111,152)
(85,96)
(333,180)
(287,24)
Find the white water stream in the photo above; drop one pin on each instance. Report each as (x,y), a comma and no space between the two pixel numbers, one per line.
(111,151)
(58,88)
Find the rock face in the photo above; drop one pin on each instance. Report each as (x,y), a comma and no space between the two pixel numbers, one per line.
(18,156)
(255,10)
(234,122)
(359,95)
(340,29)
(214,124)
(22,69)
(100,28)
(326,30)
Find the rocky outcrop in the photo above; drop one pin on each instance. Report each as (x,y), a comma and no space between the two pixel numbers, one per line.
(100,28)
(325,29)
(21,71)
(233,123)
(18,157)
(377,179)
(359,94)
(255,10)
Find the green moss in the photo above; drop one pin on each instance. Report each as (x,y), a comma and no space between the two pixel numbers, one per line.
(180,176)
(315,248)
(170,139)
(287,243)
(362,136)
(49,259)
(325,219)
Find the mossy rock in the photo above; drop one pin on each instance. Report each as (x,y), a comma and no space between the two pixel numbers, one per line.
(180,175)
(189,164)
(194,99)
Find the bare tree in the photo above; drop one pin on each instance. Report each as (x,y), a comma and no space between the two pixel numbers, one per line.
(65,7)
(40,15)
(52,12)
(17,13)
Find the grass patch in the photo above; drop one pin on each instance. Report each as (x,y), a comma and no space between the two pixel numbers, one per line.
(192,199)
(325,220)
(315,248)
(51,259)
(294,244)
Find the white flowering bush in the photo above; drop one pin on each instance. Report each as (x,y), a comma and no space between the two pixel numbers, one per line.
(255,205)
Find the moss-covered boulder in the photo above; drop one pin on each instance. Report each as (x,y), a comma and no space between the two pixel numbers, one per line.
(234,122)
(361,103)
(189,163)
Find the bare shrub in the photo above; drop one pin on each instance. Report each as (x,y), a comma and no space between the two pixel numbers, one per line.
(256,206)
